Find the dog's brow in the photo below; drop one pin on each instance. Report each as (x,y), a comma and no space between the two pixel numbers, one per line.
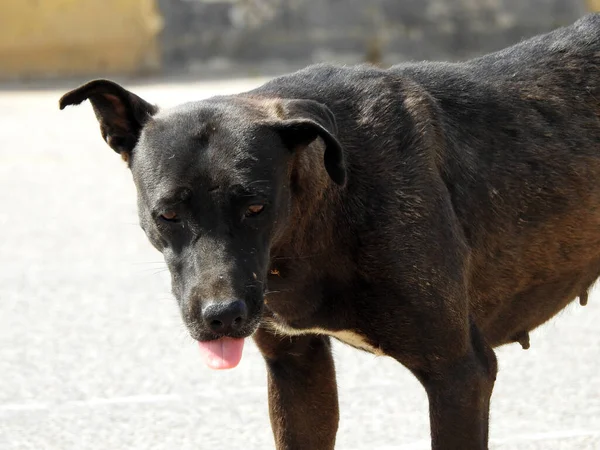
(258,187)
(172,198)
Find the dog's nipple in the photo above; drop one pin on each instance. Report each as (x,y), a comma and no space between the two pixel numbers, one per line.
(523,339)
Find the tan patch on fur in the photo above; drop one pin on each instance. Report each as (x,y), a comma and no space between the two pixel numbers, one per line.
(125,157)
(421,107)
(349,337)
(273,107)
(266,108)
(279,111)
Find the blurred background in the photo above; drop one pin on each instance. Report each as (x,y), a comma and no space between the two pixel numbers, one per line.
(93,354)
(57,38)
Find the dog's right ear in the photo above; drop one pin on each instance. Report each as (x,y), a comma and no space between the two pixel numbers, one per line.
(121,114)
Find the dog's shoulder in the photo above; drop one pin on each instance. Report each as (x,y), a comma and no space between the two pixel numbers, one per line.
(326,83)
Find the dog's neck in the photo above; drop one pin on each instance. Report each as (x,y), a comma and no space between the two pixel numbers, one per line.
(310,234)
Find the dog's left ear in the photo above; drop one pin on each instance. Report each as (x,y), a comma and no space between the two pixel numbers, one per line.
(121,113)
(305,120)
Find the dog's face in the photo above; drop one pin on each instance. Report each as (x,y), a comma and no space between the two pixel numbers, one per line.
(214,190)
(212,193)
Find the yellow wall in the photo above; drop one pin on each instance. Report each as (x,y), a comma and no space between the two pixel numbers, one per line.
(593,5)
(75,37)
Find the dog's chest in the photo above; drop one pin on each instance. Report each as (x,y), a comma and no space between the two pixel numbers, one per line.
(298,308)
(350,337)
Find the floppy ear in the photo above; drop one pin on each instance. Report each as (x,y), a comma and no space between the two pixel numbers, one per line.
(121,114)
(303,122)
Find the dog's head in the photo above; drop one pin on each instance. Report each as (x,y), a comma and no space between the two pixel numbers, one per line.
(214,184)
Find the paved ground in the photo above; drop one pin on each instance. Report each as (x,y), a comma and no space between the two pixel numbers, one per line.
(93,354)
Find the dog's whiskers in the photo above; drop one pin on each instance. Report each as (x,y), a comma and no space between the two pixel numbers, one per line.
(148,262)
(257,181)
(160,271)
(278,291)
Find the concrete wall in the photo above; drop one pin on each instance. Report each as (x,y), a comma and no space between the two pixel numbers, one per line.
(210,32)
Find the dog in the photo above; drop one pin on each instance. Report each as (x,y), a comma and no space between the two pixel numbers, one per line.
(428,212)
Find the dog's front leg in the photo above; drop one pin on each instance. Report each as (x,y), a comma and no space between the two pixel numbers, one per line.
(459,394)
(428,324)
(303,402)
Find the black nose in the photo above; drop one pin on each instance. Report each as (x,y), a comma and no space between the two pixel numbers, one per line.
(225,317)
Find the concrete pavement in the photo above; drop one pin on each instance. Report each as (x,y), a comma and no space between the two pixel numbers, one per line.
(93,355)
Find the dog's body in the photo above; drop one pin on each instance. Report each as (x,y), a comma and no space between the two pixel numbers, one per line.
(513,139)
(458,208)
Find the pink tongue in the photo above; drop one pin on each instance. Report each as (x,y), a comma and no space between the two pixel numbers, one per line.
(224,353)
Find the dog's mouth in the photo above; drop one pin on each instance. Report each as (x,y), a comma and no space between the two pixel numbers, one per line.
(223,353)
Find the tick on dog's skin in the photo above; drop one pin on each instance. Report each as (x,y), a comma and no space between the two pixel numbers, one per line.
(428,212)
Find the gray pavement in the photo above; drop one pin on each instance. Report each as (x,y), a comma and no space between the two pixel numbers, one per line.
(93,354)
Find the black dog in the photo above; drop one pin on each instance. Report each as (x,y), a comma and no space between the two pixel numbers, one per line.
(428,212)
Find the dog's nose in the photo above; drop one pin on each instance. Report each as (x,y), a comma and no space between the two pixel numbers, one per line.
(225,317)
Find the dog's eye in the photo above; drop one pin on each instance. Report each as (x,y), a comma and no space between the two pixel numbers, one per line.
(254,210)
(169,216)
